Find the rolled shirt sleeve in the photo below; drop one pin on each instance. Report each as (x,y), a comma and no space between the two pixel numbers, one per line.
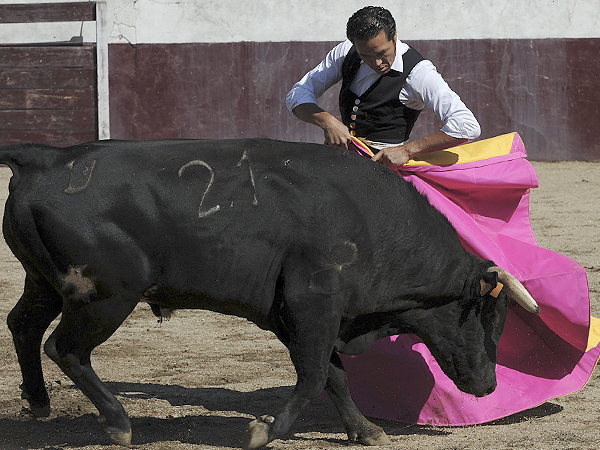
(314,84)
(425,87)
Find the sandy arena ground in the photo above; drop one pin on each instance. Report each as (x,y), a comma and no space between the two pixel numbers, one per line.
(194,382)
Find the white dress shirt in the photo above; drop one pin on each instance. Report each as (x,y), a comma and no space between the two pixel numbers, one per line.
(424,87)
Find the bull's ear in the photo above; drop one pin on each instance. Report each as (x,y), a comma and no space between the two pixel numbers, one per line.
(485,287)
(488,283)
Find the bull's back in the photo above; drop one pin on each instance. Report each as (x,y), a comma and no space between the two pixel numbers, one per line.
(219,217)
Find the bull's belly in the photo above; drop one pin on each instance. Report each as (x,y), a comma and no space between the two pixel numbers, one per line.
(254,308)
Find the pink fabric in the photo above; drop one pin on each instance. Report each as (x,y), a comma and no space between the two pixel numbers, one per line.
(539,357)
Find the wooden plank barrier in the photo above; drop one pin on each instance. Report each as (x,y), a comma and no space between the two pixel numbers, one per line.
(48,91)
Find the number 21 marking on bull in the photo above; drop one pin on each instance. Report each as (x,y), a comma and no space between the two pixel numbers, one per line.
(201,213)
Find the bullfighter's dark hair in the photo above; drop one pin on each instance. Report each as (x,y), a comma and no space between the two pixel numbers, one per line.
(368,22)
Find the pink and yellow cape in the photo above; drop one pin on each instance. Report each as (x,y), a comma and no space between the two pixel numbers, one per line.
(483,188)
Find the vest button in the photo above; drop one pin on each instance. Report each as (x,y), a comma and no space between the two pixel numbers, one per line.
(353,133)
(353,117)
(357,101)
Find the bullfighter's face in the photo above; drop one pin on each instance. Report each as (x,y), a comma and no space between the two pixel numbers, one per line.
(378,53)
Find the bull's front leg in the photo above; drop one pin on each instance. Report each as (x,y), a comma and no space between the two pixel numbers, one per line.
(310,336)
(311,369)
(357,426)
(267,428)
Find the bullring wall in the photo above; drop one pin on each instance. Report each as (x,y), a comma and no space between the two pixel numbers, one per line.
(221,69)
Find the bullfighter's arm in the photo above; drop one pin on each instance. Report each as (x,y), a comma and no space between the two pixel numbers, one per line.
(336,133)
(393,157)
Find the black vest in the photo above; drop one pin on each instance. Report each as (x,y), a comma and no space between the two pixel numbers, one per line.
(378,114)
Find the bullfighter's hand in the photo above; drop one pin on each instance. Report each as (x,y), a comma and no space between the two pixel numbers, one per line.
(337,134)
(393,157)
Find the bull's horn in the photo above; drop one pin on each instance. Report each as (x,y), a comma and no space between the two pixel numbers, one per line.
(516,290)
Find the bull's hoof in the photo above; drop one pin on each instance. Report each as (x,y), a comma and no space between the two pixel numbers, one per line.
(38,409)
(119,437)
(372,436)
(382,439)
(40,412)
(257,433)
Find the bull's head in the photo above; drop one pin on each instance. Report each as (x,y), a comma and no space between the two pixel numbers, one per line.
(463,335)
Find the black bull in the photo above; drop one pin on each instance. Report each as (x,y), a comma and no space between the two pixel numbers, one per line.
(326,249)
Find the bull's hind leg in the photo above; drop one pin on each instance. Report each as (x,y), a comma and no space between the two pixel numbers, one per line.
(357,426)
(85,325)
(39,305)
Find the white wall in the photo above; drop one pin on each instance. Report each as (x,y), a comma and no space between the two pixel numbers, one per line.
(180,21)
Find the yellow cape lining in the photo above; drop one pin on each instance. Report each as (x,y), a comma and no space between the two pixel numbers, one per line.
(594,337)
(475,151)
